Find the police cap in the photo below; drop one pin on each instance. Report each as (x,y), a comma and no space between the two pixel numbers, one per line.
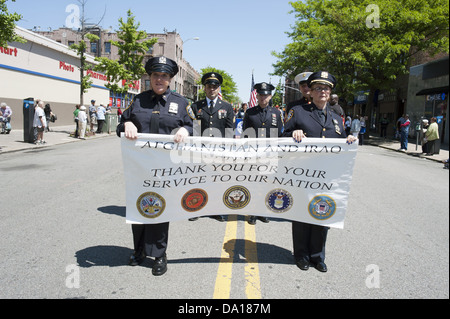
(212,78)
(264,88)
(302,77)
(322,77)
(161,64)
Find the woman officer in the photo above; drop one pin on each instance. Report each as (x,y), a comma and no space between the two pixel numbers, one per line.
(314,120)
(157,111)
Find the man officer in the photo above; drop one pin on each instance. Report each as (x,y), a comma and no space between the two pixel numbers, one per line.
(302,81)
(157,111)
(214,116)
(262,121)
(314,120)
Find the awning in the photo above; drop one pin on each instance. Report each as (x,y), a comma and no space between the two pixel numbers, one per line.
(442,89)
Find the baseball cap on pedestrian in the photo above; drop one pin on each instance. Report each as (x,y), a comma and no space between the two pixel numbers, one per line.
(212,78)
(302,77)
(322,77)
(264,88)
(161,64)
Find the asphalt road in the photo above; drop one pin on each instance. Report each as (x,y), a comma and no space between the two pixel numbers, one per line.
(63,235)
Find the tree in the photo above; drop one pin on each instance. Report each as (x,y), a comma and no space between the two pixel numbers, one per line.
(366,44)
(228,87)
(7,25)
(129,68)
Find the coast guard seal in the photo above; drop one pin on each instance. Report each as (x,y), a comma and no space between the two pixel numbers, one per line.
(322,207)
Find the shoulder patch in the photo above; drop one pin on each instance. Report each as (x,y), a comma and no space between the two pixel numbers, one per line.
(290,115)
(190,112)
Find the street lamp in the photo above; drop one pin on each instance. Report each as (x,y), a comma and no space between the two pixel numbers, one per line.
(194,38)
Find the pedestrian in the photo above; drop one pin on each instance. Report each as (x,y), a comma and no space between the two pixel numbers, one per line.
(101,116)
(241,112)
(317,121)
(92,116)
(302,81)
(157,111)
(384,122)
(348,124)
(48,115)
(424,139)
(362,131)
(432,135)
(39,123)
(82,122)
(355,128)
(262,121)
(5,118)
(403,124)
(334,104)
(214,117)
(75,118)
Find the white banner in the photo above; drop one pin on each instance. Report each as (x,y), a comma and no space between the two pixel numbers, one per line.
(278,178)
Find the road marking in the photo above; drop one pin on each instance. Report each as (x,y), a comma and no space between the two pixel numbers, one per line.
(224,273)
(253,286)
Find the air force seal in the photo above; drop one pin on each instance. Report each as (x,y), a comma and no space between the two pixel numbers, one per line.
(151,205)
(322,207)
(279,201)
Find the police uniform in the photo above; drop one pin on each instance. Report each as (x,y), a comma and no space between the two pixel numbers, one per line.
(299,79)
(156,114)
(309,240)
(216,119)
(263,120)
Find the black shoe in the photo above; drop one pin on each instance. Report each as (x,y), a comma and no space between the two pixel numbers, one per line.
(160,266)
(252,220)
(136,259)
(193,219)
(302,264)
(264,219)
(321,267)
(219,218)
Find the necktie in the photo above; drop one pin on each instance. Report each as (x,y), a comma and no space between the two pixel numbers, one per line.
(322,117)
(211,106)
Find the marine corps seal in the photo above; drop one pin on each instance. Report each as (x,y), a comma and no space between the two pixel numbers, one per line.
(194,200)
(151,205)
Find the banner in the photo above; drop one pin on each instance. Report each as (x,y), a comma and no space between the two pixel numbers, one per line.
(278,178)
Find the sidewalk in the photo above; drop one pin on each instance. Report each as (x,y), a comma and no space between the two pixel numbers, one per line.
(394,145)
(14,141)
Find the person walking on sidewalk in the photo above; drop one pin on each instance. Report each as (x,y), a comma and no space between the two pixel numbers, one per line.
(432,135)
(39,122)
(101,112)
(82,122)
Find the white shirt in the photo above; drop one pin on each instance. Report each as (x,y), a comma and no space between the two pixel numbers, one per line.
(37,122)
(82,117)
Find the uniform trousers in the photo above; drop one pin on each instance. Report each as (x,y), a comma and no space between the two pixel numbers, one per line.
(309,242)
(151,239)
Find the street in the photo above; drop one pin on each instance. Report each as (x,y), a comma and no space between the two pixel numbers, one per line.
(64,235)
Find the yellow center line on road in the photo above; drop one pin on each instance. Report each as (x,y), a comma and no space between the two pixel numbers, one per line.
(224,274)
(253,286)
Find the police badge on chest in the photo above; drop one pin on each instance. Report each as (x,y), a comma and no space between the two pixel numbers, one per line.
(173,108)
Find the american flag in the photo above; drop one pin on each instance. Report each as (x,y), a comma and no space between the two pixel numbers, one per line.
(220,93)
(253,100)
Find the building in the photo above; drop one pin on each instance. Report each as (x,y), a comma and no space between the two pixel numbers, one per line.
(169,44)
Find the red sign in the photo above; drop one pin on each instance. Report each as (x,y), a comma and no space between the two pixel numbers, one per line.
(66,67)
(9,51)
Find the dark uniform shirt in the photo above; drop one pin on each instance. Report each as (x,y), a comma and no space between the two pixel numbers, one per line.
(295,103)
(307,117)
(263,121)
(221,117)
(158,114)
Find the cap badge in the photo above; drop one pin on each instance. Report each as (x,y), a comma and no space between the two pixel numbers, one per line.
(264,86)
(162,60)
(324,75)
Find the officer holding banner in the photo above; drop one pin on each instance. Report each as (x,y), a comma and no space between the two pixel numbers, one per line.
(262,121)
(214,117)
(314,120)
(157,111)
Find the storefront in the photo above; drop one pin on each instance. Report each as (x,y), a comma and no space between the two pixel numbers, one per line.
(44,69)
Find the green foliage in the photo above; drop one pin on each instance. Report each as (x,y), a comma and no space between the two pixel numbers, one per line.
(344,38)
(7,25)
(85,79)
(229,88)
(132,48)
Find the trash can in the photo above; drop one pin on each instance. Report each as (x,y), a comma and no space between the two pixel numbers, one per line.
(28,118)
(111,121)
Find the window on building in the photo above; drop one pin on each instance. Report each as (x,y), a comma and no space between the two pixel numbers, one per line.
(70,43)
(108,47)
(93,47)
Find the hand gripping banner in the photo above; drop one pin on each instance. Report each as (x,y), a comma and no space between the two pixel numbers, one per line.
(277,178)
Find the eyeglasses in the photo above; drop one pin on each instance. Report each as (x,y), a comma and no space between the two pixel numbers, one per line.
(320,89)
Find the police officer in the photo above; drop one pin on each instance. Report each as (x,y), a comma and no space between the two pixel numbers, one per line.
(302,81)
(262,121)
(214,116)
(157,111)
(314,120)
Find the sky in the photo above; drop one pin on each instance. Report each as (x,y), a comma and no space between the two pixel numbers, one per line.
(236,36)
